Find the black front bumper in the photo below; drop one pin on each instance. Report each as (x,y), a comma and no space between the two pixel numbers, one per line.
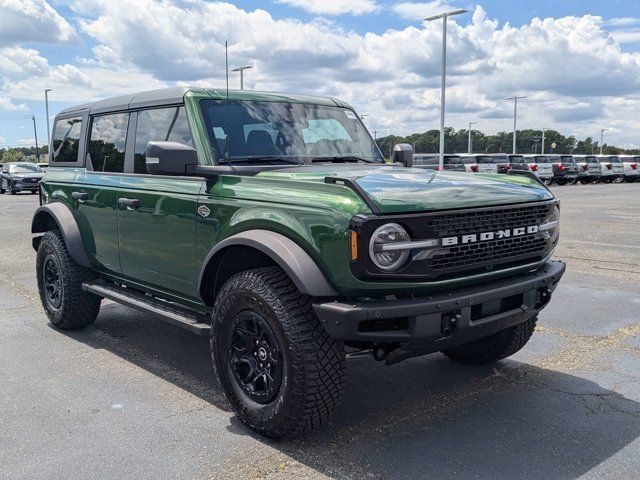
(445,319)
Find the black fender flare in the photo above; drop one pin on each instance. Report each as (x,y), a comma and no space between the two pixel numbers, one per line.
(66,223)
(286,253)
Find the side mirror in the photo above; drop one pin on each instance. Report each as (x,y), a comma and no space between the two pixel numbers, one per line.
(403,153)
(169,158)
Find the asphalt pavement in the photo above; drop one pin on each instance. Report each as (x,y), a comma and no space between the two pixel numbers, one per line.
(133,397)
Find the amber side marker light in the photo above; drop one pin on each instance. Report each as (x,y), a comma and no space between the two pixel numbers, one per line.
(354,245)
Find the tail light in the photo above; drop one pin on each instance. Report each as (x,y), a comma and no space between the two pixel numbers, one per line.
(609,166)
(585,167)
(474,168)
(560,167)
(634,166)
(506,166)
(534,168)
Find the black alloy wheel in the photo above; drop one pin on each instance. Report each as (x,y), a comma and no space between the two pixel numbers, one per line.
(255,357)
(52,282)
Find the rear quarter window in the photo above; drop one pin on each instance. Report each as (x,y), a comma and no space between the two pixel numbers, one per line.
(66,140)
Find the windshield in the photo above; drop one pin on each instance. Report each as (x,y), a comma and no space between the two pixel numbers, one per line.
(290,132)
(484,159)
(590,159)
(615,160)
(499,159)
(516,158)
(25,168)
(568,159)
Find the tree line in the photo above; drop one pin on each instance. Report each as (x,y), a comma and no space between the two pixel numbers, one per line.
(527,141)
(21,154)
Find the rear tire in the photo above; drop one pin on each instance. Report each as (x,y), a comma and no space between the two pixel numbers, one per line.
(60,281)
(280,371)
(495,347)
(561,182)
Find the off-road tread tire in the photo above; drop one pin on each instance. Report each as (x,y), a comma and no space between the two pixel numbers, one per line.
(79,309)
(316,364)
(498,346)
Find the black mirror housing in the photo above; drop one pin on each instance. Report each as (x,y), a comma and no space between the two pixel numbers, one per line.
(169,158)
(403,153)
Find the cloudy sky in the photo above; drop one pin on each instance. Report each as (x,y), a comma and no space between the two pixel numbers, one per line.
(578,61)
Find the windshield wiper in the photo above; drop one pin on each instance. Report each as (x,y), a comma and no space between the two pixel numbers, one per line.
(261,158)
(343,158)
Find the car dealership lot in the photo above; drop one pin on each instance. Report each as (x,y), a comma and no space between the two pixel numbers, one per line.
(132,396)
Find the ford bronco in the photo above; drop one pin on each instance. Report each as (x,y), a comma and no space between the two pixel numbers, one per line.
(272,224)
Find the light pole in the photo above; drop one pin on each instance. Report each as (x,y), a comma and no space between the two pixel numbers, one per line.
(470,148)
(35,134)
(46,110)
(444,17)
(543,130)
(602,138)
(515,117)
(241,70)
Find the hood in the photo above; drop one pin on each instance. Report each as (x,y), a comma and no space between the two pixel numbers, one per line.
(399,189)
(28,175)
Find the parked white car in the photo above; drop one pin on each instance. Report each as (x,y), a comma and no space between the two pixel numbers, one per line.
(631,164)
(479,163)
(589,168)
(541,166)
(612,168)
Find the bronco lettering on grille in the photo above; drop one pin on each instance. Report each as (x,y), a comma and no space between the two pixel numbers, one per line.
(486,236)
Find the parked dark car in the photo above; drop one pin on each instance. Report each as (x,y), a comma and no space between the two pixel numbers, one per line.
(19,177)
(565,169)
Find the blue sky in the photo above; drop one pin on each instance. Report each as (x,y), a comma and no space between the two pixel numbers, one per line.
(580,73)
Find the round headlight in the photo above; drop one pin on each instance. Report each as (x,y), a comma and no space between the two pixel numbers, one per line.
(554,219)
(388,259)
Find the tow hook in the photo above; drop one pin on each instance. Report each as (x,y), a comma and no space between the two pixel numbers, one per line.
(543,297)
(449,323)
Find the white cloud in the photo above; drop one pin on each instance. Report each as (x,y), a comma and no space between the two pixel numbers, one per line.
(32,21)
(334,7)
(626,35)
(417,11)
(7,104)
(622,21)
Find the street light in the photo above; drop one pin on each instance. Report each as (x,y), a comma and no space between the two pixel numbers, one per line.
(515,116)
(35,134)
(241,70)
(602,137)
(444,17)
(470,138)
(543,130)
(46,108)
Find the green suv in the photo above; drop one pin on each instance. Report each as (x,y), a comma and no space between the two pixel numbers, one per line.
(272,224)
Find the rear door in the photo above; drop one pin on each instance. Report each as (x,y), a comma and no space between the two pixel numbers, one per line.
(157,214)
(96,188)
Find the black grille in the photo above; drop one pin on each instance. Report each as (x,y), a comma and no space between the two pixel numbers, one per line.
(488,252)
(465,259)
(486,220)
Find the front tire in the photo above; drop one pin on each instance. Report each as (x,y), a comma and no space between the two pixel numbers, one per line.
(280,371)
(495,347)
(60,281)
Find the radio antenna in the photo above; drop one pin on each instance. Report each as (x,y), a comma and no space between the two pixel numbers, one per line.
(226,63)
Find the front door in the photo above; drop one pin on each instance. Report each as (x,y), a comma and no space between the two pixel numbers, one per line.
(157,214)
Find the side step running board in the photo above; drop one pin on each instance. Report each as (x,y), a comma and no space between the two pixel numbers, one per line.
(182,317)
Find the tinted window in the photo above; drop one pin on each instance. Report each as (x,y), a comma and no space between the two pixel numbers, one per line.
(426,160)
(542,159)
(567,160)
(615,160)
(159,124)
(66,138)
(516,159)
(295,131)
(452,160)
(107,142)
(591,159)
(484,159)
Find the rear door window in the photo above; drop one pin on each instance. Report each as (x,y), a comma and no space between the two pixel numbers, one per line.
(107,141)
(66,139)
(159,124)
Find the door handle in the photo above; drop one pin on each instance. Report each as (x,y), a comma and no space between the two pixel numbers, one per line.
(80,196)
(130,203)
